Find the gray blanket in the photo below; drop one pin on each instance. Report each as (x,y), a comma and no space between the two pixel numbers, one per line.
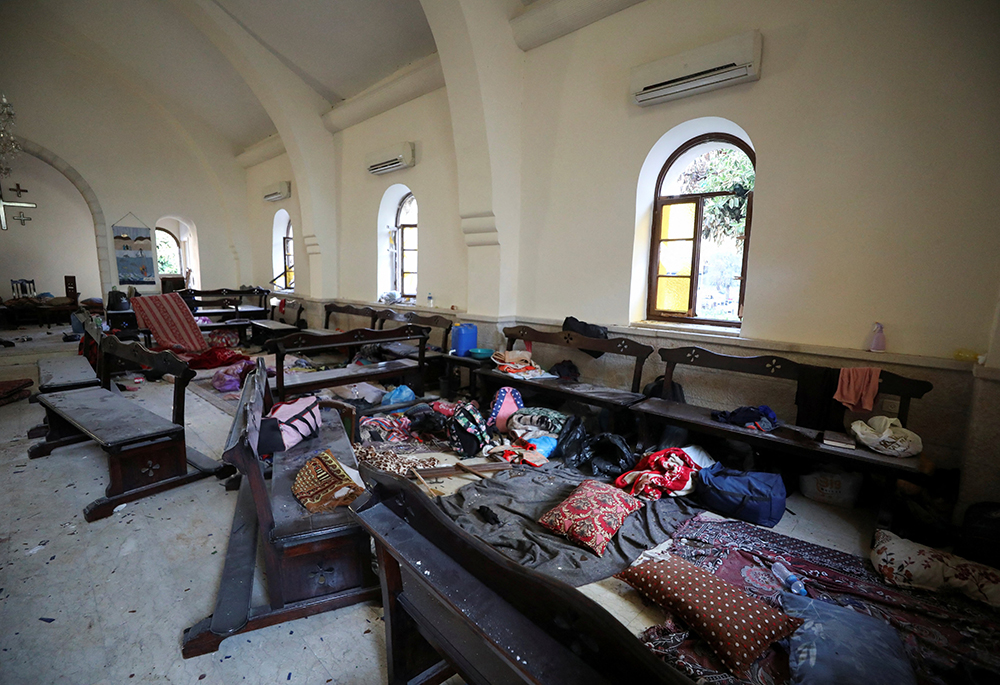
(520,496)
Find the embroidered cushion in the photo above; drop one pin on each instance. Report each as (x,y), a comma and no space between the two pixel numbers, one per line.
(904,563)
(737,627)
(591,515)
(323,483)
(838,645)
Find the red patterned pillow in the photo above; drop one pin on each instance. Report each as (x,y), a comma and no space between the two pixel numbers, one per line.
(592,514)
(736,626)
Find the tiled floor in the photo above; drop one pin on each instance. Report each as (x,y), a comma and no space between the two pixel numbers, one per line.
(121,590)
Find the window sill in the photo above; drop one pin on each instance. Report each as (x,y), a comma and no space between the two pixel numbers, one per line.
(685,327)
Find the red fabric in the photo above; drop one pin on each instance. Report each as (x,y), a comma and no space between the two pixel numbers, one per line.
(215,357)
(171,321)
(857,388)
(737,627)
(659,473)
(591,515)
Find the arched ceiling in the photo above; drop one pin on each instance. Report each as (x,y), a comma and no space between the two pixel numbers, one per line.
(338,48)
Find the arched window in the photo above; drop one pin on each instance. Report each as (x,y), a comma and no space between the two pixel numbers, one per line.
(701,231)
(283,251)
(404,239)
(169,256)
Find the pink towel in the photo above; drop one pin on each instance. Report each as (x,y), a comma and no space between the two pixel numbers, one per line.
(170,320)
(858,387)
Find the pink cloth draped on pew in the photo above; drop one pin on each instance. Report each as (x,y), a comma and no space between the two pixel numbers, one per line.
(858,387)
(171,321)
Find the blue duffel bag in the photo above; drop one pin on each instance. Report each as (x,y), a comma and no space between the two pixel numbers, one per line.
(751,496)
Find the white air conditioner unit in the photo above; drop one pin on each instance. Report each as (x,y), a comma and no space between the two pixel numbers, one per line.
(279,191)
(396,157)
(726,63)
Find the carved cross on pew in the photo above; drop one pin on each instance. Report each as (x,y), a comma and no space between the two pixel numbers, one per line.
(3,211)
(18,189)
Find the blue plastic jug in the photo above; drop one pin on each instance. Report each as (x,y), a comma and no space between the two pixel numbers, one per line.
(464,338)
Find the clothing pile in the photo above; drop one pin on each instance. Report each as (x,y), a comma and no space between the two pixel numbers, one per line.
(758,418)
(518,364)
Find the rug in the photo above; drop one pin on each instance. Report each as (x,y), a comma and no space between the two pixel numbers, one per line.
(948,638)
(171,322)
(15,390)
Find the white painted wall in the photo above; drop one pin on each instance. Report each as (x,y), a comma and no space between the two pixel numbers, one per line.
(876,139)
(137,153)
(424,121)
(58,241)
(260,236)
(433,181)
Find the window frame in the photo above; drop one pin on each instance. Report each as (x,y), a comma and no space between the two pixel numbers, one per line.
(660,201)
(180,252)
(288,256)
(401,249)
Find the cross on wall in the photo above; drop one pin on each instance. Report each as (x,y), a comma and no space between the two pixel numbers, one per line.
(18,189)
(4,205)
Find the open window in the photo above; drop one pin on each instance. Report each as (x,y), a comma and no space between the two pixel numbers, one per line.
(701,232)
(404,239)
(169,255)
(283,251)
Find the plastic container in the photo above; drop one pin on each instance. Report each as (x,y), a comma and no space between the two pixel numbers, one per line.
(840,489)
(463,338)
(790,580)
(480,353)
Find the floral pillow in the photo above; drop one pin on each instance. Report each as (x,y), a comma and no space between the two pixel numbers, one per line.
(904,563)
(736,626)
(591,515)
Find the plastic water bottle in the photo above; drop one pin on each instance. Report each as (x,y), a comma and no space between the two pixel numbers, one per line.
(430,301)
(790,580)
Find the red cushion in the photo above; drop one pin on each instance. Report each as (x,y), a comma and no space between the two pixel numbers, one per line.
(592,514)
(737,627)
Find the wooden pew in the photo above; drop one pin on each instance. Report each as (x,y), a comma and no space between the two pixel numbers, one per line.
(610,398)
(793,443)
(314,562)
(292,382)
(352,310)
(455,605)
(147,453)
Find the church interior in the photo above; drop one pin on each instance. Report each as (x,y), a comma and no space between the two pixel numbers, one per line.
(422,341)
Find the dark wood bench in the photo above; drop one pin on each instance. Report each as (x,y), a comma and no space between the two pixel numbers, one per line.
(235,308)
(70,373)
(455,605)
(147,453)
(788,440)
(287,383)
(314,562)
(600,396)
(332,308)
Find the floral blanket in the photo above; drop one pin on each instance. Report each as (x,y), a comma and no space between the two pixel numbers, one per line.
(948,638)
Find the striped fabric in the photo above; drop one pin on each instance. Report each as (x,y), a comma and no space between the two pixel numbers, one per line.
(170,320)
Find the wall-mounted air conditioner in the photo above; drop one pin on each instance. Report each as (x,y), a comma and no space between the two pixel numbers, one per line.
(726,63)
(279,191)
(396,157)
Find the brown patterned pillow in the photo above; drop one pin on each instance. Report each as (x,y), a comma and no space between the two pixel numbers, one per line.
(323,483)
(592,514)
(737,627)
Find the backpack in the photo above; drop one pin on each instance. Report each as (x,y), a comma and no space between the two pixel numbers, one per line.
(505,403)
(467,430)
(288,424)
(751,496)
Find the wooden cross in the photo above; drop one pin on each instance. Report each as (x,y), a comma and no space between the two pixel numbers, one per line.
(18,189)
(3,211)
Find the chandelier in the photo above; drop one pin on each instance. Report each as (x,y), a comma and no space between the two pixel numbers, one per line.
(9,147)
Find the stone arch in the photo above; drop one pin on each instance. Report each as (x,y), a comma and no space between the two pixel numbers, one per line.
(109,277)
